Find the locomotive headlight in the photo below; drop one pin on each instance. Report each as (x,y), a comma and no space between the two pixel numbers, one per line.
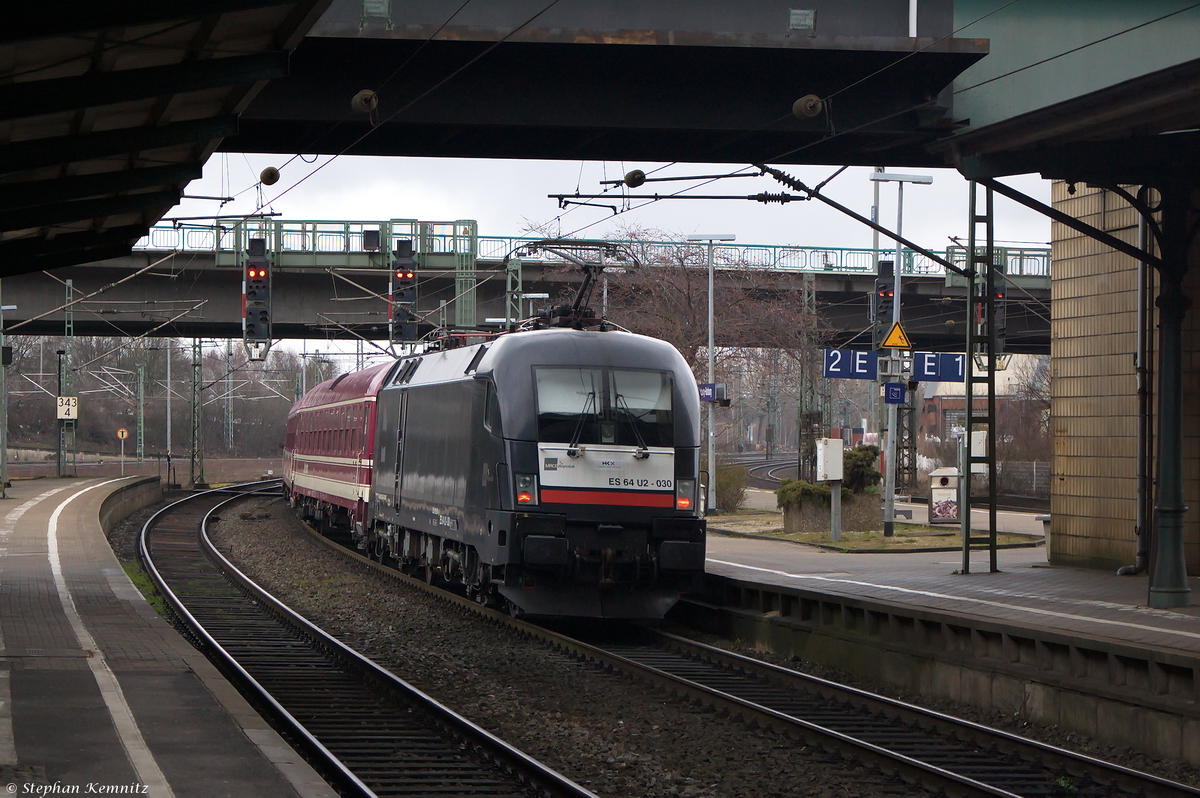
(685,492)
(526,489)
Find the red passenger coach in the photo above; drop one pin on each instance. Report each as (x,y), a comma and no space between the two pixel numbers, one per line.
(329,450)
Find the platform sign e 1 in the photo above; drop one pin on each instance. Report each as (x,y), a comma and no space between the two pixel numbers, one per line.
(851,364)
(939,367)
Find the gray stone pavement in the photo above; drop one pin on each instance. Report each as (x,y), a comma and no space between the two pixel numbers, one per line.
(1027,590)
(95,688)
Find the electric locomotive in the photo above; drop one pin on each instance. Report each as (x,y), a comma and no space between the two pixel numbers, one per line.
(556,469)
(553,471)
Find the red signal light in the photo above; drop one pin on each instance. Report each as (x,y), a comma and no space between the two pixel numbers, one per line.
(405,275)
(256,273)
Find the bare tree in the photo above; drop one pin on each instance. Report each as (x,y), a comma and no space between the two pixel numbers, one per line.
(104,374)
(666,296)
(1025,424)
(766,337)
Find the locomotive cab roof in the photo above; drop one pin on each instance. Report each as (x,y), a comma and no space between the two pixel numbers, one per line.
(509,360)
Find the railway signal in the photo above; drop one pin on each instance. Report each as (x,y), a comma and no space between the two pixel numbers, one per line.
(882,301)
(404,286)
(403,292)
(256,300)
(999,308)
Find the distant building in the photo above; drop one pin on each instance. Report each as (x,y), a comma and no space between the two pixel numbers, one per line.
(943,406)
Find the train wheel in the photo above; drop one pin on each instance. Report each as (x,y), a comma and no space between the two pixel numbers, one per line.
(431,575)
(514,610)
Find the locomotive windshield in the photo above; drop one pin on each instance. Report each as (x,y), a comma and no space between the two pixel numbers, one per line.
(626,407)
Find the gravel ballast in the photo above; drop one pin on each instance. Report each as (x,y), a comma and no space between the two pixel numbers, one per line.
(612,735)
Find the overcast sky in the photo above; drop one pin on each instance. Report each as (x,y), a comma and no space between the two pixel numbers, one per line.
(507,198)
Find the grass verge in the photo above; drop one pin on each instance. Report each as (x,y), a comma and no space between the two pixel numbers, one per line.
(141,580)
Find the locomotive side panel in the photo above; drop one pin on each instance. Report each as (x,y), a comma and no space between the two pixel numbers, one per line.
(440,467)
(387,452)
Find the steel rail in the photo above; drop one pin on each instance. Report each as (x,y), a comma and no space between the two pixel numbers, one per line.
(312,746)
(911,769)
(523,774)
(948,725)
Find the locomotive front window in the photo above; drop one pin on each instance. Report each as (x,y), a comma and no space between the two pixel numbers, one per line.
(570,402)
(625,407)
(641,406)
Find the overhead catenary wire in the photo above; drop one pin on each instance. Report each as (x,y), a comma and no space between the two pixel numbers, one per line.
(1101,40)
(418,98)
(917,106)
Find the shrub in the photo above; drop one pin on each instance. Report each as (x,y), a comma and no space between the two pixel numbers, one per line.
(796,493)
(731,487)
(858,467)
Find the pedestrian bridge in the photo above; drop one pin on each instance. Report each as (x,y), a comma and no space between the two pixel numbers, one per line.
(330,279)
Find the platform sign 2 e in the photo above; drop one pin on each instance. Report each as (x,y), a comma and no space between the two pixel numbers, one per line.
(939,367)
(68,407)
(851,364)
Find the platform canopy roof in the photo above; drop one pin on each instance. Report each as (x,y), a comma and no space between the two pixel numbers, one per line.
(1097,91)
(108,109)
(620,80)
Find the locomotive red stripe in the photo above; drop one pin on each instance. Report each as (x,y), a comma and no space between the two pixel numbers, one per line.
(609,497)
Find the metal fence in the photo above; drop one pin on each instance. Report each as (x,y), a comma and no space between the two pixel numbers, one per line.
(444,237)
(1025,478)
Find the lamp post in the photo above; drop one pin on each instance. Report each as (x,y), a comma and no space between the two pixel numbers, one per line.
(710,494)
(60,354)
(889,485)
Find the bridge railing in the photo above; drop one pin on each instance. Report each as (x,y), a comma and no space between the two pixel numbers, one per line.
(331,237)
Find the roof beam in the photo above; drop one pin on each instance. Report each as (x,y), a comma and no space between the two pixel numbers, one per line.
(36,153)
(24,255)
(1144,159)
(80,210)
(14,196)
(70,17)
(57,260)
(1070,221)
(37,97)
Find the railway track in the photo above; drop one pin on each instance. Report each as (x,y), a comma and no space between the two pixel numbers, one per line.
(937,751)
(369,732)
(765,474)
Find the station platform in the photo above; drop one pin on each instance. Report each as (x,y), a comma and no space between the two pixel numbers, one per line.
(1027,591)
(1076,648)
(97,692)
